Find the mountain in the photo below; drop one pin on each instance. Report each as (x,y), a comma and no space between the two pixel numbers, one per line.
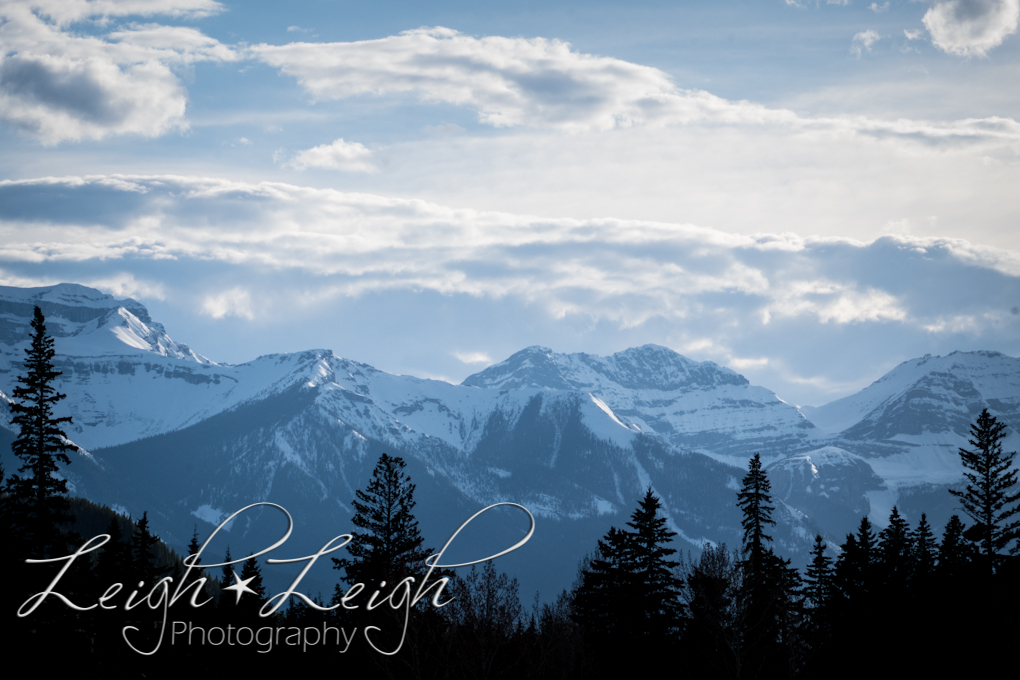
(576,438)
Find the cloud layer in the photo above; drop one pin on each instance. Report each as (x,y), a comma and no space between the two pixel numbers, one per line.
(624,272)
(59,84)
(546,84)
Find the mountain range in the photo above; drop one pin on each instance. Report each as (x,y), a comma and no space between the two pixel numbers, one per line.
(575,438)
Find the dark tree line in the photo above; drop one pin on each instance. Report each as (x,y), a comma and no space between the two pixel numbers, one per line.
(899,600)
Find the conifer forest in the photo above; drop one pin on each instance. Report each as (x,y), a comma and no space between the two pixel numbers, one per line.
(910,600)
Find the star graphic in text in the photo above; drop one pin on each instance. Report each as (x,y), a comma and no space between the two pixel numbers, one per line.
(241,587)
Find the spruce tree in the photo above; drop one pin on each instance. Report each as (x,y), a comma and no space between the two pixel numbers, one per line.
(389,547)
(894,551)
(142,543)
(955,552)
(755,500)
(227,570)
(990,498)
(629,592)
(925,550)
(605,604)
(819,576)
(38,502)
(770,586)
(657,586)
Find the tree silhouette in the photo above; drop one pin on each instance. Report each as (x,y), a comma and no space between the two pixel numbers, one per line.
(755,500)
(390,546)
(895,548)
(629,592)
(987,499)
(37,496)
(769,588)
(819,576)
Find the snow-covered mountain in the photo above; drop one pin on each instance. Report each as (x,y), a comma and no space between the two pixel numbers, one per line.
(576,438)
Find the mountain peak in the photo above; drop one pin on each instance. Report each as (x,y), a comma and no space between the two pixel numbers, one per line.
(95,322)
(647,367)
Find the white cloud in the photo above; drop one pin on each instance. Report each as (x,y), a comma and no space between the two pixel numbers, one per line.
(126,285)
(625,272)
(970,28)
(510,81)
(875,7)
(58,85)
(863,41)
(912,34)
(233,302)
(543,83)
(473,357)
(339,155)
(479,284)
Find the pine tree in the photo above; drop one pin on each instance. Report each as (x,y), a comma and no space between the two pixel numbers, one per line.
(987,499)
(819,576)
(194,547)
(38,500)
(604,600)
(142,543)
(628,592)
(755,501)
(925,550)
(955,552)
(770,586)
(227,570)
(390,546)
(657,588)
(894,551)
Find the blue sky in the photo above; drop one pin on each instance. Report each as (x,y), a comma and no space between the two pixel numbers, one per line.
(809,193)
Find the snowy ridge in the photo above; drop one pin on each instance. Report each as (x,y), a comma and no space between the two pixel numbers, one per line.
(572,436)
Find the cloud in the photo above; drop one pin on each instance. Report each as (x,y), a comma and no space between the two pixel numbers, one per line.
(627,272)
(367,274)
(863,41)
(510,81)
(57,84)
(970,28)
(340,155)
(233,302)
(876,8)
(912,34)
(126,285)
(540,83)
(473,357)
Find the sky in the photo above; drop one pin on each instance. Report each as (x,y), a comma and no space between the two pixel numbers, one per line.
(806,192)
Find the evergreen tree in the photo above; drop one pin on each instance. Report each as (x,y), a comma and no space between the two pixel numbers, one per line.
(770,586)
(955,552)
(991,477)
(227,577)
(894,551)
(755,501)
(39,506)
(142,543)
(819,576)
(390,546)
(925,550)
(194,547)
(628,592)
(714,635)
(251,570)
(657,588)
(604,601)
